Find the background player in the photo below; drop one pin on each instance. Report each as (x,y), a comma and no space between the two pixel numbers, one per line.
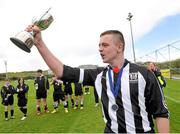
(78,92)
(68,92)
(41,85)
(7,92)
(22,91)
(58,94)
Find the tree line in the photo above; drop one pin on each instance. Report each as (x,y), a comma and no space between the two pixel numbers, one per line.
(174,65)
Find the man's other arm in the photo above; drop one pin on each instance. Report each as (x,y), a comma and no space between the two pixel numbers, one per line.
(162,125)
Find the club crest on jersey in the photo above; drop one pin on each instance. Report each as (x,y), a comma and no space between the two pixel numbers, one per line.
(133,77)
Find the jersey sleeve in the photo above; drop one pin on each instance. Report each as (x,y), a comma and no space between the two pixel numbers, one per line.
(90,76)
(70,74)
(77,75)
(155,97)
(13,90)
(2,93)
(26,88)
(35,81)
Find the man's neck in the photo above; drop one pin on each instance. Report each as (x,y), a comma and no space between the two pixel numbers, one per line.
(118,63)
(41,75)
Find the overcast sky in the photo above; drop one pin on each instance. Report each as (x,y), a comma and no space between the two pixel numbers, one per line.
(73,36)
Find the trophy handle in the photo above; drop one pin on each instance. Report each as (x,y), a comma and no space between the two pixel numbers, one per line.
(44,21)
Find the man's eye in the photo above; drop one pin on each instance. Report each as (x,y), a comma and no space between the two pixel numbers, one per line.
(105,45)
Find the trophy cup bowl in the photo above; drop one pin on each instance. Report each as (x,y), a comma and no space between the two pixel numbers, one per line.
(24,39)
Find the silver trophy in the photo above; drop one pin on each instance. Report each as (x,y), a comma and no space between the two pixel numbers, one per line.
(24,39)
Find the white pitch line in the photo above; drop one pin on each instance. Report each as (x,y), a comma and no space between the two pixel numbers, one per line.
(172,99)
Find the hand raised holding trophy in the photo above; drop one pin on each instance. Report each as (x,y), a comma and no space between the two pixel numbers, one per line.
(25,39)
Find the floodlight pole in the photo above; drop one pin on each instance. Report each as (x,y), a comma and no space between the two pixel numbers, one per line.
(5,63)
(129,18)
(169,60)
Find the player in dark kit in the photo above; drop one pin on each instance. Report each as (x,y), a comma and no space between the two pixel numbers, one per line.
(78,92)
(153,68)
(22,91)
(68,91)
(41,85)
(58,95)
(7,92)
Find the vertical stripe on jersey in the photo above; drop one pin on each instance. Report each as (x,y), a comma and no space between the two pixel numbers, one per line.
(141,98)
(105,101)
(81,75)
(135,95)
(98,88)
(112,101)
(126,99)
(120,113)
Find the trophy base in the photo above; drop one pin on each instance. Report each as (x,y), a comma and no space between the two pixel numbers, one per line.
(20,44)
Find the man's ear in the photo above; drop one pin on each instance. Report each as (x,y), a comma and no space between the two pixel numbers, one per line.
(120,47)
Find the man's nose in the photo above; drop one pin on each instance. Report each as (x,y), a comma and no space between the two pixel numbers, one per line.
(100,48)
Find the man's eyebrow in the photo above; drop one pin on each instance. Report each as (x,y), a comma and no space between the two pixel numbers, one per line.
(103,43)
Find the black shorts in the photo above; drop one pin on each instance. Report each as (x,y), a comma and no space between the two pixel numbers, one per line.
(40,95)
(68,91)
(58,96)
(8,101)
(22,102)
(78,92)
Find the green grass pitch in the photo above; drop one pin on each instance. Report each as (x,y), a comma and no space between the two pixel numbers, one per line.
(88,120)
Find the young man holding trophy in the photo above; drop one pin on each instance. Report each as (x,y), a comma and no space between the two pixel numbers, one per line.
(130,94)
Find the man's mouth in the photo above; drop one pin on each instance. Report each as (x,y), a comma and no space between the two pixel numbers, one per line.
(102,56)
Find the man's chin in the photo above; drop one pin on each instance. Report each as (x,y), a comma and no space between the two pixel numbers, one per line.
(105,61)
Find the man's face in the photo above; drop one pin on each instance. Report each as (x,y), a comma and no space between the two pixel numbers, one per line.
(109,48)
(21,80)
(39,74)
(7,83)
(151,67)
(54,78)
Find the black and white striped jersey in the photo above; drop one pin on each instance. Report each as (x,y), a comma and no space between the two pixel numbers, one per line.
(139,100)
